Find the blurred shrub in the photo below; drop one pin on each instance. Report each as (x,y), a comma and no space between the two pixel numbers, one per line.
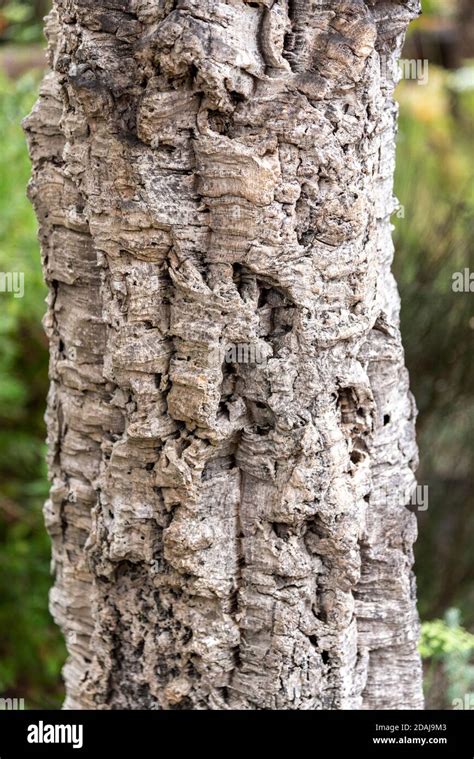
(442,637)
(435,184)
(31,650)
(448,652)
(22,20)
(435,7)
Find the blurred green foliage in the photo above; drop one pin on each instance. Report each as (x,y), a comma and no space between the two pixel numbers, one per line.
(435,184)
(438,7)
(448,653)
(21,20)
(31,650)
(433,237)
(443,637)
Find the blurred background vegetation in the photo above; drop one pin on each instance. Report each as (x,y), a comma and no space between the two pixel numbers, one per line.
(433,236)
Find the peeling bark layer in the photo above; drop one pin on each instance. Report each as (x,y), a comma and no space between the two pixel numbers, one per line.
(227,534)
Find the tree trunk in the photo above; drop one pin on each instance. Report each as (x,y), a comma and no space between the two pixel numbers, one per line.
(230,426)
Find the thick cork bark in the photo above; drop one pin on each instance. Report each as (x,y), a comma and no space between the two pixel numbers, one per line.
(230,425)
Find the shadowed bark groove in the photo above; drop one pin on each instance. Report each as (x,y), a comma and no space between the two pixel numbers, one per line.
(227,534)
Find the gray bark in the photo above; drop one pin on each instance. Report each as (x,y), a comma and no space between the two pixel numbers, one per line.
(227,534)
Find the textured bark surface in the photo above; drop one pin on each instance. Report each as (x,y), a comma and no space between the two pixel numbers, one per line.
(226,534)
